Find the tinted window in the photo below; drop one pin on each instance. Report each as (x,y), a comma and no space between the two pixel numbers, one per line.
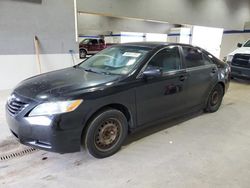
(101,41)
(193,57)
(85,41)
(116,60)
(94,41)
(207,60)
(167,59)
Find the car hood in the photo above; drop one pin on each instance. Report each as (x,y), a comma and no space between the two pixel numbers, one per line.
(61,83)
(242,50)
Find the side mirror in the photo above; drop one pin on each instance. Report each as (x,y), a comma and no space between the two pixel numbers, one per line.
(239,45)
(152,72)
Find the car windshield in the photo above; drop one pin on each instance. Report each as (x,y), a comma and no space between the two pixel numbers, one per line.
(85,41)
(247,44)
(115,60)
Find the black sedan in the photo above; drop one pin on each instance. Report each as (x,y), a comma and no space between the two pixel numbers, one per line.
(120,89)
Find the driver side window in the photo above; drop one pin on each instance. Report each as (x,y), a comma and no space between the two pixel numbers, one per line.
(168,59)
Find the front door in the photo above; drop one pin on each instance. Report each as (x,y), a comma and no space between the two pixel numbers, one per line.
(163,96)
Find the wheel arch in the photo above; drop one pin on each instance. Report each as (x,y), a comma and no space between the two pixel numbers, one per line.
(209,92)
(223,86)
(83,49)
(125,110)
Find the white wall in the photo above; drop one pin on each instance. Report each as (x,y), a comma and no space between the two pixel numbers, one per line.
(15,68)
(153,37)
(180,35)
(127,37)
(90,24)
(53,23)
(113,39)
(208,38)
(229,14)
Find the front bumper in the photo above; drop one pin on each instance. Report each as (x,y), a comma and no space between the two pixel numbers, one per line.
(50,137)
(240,72)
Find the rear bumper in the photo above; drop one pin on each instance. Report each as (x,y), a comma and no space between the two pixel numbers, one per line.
(240,72)
(44,133)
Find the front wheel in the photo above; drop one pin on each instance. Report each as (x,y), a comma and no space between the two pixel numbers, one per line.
(215,99)
(83,54)
(106,133)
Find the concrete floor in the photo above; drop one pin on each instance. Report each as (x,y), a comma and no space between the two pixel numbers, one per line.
(205,150)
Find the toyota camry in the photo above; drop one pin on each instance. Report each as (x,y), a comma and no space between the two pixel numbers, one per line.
(126,87)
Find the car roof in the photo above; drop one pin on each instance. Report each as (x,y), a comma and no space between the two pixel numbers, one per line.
(153,45)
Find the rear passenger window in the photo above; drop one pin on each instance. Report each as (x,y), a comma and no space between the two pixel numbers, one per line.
(101,41)
(94,41)
(168,59)
(193,57)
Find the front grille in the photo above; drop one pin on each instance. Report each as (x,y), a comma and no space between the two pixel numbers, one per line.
(241,60)
(15,105)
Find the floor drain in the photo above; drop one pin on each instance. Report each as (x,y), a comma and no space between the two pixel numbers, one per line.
(17,154)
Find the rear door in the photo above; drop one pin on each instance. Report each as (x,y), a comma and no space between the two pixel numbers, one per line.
(164,96)
(93,46)
(202,75)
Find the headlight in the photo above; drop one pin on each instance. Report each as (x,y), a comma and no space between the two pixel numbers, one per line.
(51,108)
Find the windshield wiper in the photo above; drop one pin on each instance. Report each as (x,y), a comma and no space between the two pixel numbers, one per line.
(108,73)
(103,72)
(97,72)
(90,70)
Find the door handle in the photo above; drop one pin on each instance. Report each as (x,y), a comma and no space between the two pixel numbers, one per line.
(182,78)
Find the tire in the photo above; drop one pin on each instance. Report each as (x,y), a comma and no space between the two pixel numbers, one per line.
(83,54)
(106,133)
(215,99)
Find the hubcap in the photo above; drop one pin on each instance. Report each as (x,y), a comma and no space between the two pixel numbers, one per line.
(107,134)
(215,98)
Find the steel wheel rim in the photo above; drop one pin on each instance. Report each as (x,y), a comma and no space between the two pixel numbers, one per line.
(215,98)
(107,134)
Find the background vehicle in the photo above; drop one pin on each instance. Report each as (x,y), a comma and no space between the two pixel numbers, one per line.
(122,89)
(240,61)
(92,46)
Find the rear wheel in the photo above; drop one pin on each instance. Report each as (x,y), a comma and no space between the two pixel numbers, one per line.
(106,133)
(215,99)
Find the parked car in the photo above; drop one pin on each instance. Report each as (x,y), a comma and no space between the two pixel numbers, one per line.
(92,46)
(113,93)
(240,61)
